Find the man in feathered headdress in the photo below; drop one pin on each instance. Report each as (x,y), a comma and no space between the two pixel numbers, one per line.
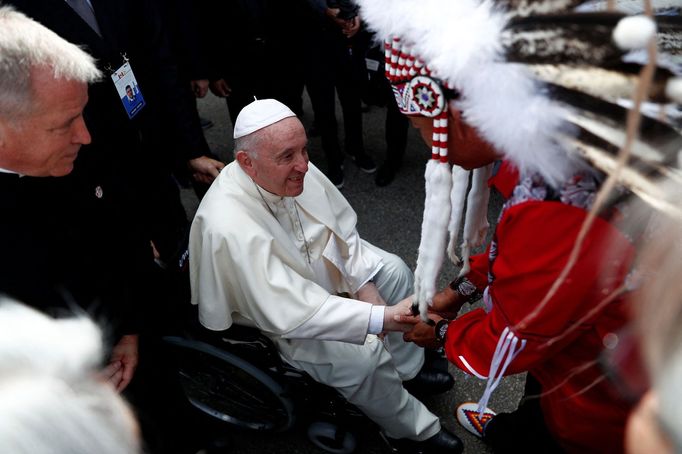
(553,278)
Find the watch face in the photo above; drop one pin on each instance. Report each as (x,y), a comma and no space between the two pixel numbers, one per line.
(442,329)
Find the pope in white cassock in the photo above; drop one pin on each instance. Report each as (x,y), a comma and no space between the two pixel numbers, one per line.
(274,245)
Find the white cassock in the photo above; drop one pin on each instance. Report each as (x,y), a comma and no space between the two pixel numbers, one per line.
(277,263)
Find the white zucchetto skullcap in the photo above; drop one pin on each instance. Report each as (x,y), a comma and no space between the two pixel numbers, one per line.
(258,115)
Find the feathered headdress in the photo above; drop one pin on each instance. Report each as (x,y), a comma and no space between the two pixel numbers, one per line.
(549,83)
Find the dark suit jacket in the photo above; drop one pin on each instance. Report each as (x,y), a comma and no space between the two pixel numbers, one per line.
(56,233)
(256,46)
(63,248)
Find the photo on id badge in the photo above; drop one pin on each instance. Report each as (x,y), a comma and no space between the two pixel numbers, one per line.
(128,89)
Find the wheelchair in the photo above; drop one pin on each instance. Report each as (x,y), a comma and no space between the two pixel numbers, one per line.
(237,376)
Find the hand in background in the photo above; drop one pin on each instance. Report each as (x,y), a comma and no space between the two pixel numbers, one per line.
(205,169)
(199,87)
(220,88)
(126,354)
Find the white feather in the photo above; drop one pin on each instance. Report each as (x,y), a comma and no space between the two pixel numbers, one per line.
(673,89)
(634,32)
(76,343)
(428,192)
(460,182)
(476,222)
(434,232)
(460,41)
(627,6)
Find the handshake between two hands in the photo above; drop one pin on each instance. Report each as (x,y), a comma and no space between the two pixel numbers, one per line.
(400,318)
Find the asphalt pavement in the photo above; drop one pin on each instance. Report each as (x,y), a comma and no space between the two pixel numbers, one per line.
(389,217)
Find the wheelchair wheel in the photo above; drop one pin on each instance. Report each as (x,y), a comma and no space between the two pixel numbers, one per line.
(331,438)
(230,388)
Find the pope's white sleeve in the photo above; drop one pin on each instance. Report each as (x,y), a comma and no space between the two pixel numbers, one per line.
(361,263)
(340,319)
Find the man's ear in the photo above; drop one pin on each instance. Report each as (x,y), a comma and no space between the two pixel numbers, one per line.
(246,163)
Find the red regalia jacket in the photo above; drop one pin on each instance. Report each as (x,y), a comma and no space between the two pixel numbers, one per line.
(533,239)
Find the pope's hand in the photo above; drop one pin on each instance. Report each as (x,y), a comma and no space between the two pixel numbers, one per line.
(405,316)
(394,314)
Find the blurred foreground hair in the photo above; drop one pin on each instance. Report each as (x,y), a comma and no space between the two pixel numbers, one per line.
(51,399)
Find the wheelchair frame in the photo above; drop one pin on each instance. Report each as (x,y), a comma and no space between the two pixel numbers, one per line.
(238,377)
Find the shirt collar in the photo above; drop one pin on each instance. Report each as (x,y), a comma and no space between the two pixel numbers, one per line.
(10,171)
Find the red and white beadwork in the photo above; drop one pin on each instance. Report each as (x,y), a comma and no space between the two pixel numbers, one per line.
(417,93)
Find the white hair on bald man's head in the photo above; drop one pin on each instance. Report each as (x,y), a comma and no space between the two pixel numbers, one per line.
(51,399)
(25,45)
(250,143)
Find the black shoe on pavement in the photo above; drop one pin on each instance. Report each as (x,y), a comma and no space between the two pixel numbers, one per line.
(335,175)
(385,175)
(218,446)
(429,382)
(443,442)
(365,163)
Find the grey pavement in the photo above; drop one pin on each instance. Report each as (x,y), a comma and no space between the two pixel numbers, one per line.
(389,217)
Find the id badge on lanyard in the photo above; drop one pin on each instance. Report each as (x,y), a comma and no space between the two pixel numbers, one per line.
(128,89)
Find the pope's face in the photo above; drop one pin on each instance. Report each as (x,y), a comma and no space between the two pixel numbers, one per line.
(45,142)
(465,147)
(281,161)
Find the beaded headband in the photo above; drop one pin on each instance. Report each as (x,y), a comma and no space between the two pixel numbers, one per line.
(418,93)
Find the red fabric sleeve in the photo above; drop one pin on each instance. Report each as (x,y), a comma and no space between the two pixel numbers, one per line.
(478,275)
(534,241)
(505,179)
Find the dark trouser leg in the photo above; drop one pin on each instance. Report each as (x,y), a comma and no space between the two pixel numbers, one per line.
(523,429)
(396,140)
(170,424)
(237,101)
(396,134)
(348,71)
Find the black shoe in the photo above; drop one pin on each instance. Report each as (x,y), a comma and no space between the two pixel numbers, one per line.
(443,442)
(385,175)
(205,123)
(218,446)
(365,163)
(335,175)
(428,382)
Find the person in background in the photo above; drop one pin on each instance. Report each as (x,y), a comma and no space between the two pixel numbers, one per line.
(50,226)
(655,424)
(335,65)
(71,232)
(253,50)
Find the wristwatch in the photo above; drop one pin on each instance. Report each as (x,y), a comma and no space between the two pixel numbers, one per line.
(441,330)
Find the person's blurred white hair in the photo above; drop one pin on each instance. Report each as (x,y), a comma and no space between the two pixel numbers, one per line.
(51,399)
(26,45)
(658,313)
